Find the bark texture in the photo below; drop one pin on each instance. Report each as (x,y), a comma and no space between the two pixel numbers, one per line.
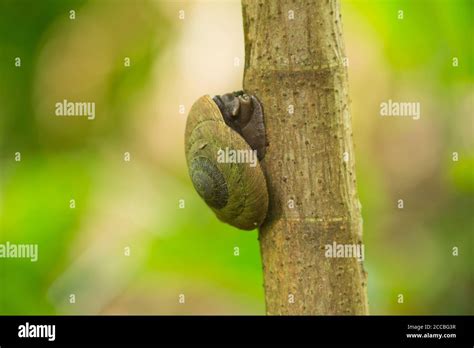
(294,63)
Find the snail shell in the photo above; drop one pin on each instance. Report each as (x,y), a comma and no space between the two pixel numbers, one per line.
(236,192)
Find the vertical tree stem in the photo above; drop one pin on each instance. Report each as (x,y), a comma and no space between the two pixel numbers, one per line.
(294,63)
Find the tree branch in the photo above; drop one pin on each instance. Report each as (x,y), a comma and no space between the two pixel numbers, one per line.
(295,65)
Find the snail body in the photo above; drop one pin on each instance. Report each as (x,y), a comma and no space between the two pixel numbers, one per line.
(235,191)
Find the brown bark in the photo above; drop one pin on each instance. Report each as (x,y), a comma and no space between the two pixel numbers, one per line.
(300,62)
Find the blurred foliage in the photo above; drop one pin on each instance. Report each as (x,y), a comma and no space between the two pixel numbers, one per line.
(136,204)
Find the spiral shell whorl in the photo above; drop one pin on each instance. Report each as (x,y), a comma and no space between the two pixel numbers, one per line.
(209,182)
(236,192)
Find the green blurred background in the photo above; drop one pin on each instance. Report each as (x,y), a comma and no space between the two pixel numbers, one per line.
(136,205)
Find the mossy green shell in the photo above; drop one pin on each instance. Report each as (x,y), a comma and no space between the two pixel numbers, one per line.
(236,192)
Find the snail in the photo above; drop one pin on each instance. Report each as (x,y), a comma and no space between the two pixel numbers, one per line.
(221,135)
